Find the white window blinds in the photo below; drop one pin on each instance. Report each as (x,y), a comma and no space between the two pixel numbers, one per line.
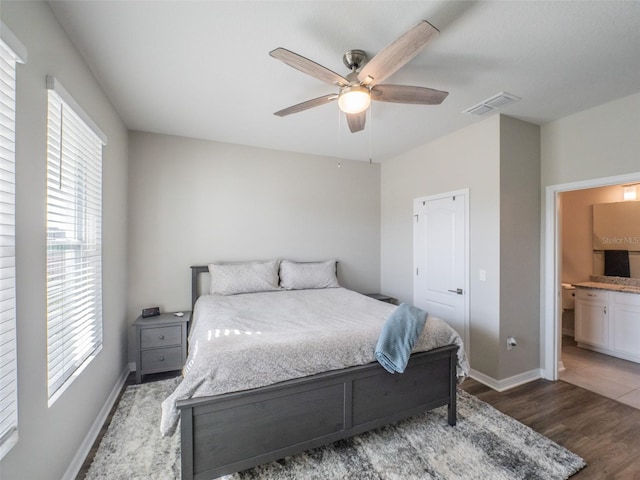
(74,240)
(8,357)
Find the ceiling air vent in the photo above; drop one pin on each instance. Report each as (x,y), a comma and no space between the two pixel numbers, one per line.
(491,104)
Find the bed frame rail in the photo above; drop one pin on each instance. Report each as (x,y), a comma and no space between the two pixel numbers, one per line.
(227,433)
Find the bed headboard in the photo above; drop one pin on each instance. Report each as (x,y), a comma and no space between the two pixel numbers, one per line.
(196,270)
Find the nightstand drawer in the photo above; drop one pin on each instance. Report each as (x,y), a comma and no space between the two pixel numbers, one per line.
(161,343)
(161,359)
(160,336)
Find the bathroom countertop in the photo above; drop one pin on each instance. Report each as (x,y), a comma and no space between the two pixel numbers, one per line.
(608,286)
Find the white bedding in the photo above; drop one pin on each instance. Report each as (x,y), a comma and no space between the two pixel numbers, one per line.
(240,342)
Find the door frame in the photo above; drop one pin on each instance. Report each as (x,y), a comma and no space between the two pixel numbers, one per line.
(440,196)
(551,310)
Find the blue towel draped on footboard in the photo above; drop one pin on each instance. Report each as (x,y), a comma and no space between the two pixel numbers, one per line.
(399,334)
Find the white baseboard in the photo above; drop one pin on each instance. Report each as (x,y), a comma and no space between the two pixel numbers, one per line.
(94,431)
(507,383)
(568,331)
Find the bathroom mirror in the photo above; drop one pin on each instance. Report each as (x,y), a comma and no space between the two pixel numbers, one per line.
(616,227)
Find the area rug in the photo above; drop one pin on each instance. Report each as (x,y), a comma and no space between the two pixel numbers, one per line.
(485,444)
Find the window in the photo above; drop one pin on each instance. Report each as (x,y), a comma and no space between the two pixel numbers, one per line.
(9,45)
(74,239)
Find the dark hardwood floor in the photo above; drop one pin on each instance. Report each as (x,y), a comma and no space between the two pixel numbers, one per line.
(604,432)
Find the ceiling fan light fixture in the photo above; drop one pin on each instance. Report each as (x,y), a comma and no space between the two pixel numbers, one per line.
(354,99)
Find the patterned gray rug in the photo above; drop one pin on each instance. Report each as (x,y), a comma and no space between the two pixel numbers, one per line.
(485,444)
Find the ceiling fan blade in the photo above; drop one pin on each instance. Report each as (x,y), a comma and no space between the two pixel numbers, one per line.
(308,66)
(397,54)
(316,102)
(356,121)
(408,94)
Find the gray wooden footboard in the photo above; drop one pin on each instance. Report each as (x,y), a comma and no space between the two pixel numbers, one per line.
(232,432)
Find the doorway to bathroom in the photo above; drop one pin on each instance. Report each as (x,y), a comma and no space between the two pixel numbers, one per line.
(570,258)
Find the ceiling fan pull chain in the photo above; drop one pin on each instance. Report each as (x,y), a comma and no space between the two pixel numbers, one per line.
(370,130)
(339,130)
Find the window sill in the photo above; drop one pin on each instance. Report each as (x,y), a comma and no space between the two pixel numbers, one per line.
(58,393)
(8,443)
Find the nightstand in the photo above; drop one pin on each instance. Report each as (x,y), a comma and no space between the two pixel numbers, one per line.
(383,298)
(161,343)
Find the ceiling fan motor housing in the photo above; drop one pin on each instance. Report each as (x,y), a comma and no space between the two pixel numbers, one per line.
(354,59)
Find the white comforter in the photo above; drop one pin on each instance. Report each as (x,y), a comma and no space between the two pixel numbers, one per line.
(240,342)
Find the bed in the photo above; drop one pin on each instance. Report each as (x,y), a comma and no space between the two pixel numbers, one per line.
(229,429)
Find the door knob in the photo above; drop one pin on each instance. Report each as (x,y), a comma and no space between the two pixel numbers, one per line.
(457,291)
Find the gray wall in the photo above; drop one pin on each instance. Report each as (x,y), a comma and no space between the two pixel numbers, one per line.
(519,246)
(600,142)
(195,201)
(49,438)
(498,159)
(468,158)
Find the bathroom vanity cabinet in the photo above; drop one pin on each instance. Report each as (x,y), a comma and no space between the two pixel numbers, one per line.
(625,339)
(608,321)
(592,317)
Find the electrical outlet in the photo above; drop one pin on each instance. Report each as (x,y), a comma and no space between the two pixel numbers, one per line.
(511,342)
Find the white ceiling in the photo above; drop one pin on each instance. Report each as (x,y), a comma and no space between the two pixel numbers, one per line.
(202,69)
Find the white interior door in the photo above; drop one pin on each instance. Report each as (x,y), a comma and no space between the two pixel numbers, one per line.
(440,258)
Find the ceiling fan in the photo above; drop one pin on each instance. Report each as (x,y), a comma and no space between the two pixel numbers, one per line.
(363,84)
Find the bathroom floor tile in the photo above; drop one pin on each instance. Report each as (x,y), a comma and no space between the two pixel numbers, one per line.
(632,398)
(603,374)
(603,386)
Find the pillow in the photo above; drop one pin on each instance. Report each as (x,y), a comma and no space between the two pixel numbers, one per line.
(249,277)
(299,276)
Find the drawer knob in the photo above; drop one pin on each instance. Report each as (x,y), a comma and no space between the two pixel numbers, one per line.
(162,359)
(161,337)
